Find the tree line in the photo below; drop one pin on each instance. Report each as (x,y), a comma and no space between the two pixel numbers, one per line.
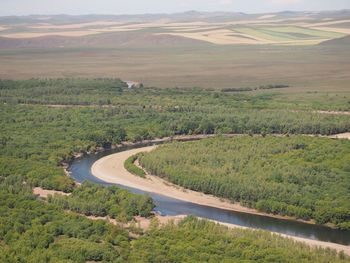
(298,176)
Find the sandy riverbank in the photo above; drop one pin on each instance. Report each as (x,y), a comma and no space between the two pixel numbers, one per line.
(345,135)
(111,169)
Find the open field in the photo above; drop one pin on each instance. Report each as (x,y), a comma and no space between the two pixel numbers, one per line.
(314,68)
(308,51)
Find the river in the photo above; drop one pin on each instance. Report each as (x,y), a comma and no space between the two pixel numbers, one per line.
(80,170)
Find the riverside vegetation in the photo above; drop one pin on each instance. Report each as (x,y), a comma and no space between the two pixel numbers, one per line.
(95,200)
(304,177)
(34,231)
(44,123)
(129,165)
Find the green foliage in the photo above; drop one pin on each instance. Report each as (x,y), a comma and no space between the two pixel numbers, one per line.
(129,165)
(60,91)
(96,200)
(106,138)
(305,177)
(34,231)
(265,87)
(202,241)
(45,122)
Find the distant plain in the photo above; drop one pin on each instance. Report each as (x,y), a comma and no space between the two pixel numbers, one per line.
(308,51)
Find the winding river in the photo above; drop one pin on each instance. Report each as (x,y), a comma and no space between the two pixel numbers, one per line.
(80,170)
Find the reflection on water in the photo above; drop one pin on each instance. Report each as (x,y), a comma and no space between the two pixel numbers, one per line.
(80,170)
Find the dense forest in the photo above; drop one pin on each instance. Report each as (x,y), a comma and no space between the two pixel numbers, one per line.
(300,176)
(36,139)
(202,241)
(45,123)
(96,200)
(34,231)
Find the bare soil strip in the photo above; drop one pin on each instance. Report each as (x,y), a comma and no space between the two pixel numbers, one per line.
(345,135)
(333,112)
(45,193)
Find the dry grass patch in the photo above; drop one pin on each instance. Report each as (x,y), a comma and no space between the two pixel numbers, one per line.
(45,34)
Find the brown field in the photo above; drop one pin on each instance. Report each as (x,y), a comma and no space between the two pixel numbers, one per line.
(184,51)
(188,65)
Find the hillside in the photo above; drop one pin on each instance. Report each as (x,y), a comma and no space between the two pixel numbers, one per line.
(344,42)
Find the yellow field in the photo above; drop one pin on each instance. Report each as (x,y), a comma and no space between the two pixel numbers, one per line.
(266,29)
(219,37)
